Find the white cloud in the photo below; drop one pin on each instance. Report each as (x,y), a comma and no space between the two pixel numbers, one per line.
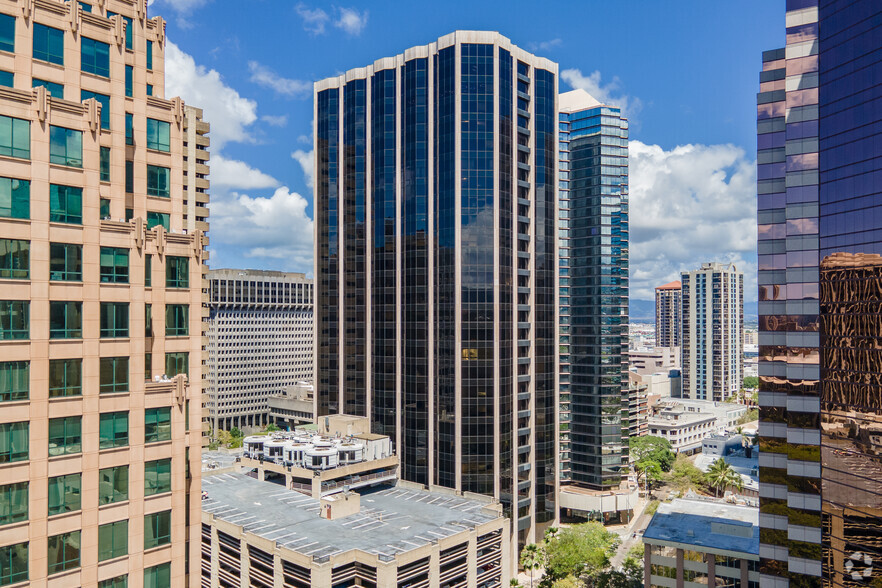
(606,93)
(183,9)
(306,159)
(276,121)
(231,173)
(229,113)
(313,19)
(546,45)
(688,205)
(351,20)
(263,76)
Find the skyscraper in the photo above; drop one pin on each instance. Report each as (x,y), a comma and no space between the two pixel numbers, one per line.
(593,292)
(713,332)
(668,320)
(819,113)
(101,276)
(436,265)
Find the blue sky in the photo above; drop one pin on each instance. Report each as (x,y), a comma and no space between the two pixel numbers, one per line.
(685,71)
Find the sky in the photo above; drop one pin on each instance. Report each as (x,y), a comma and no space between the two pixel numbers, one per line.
(685,72)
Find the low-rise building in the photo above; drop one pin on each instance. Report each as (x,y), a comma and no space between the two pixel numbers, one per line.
(702,542)
(736,451)
(293,407)
(654,360)
(685,423)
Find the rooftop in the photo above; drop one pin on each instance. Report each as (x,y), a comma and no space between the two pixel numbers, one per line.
(675,285)
(710,525)
(391,520)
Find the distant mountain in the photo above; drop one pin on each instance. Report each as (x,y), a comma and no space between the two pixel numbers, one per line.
(643,311)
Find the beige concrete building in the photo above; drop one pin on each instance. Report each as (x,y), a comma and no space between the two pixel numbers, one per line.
(101,266)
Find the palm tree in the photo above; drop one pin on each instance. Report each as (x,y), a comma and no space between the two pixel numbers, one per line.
(721,475)
(532,558)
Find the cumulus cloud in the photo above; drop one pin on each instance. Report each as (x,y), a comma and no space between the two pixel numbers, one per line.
(306,159)
(264,76)
(276,121)
(315,20)
(351,20)
(690,204)
(609,93)
(546,45)
(234,174)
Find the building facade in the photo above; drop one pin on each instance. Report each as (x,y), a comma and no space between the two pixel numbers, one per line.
(818,119)
(101,307)
(260,342)
(713,332)
(436,265)
(668,321)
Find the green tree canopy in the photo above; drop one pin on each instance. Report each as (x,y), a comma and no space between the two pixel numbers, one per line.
(684,475)
(652,448)
(750,382)
(721,475)
(578,549)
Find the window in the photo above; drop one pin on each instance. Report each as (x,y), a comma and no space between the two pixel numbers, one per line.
(130,214)
(113,430)
(65,320)
(104,166)
(64,494)
(104,101)
(157,477)
(114,375)
(130,176)
(158,181)
(13,564)
(177,363)
(148,270)
(15,259)
(65,436)
(15,137)
(150,89)
(177,272)
(14,380)
(114,319)
(130,129)
(149,55)
(95,57)
(14,320)
(13,442)
(129,28)
(157,219)
(157,529)
(177,320)
(148,331)
(117,582)
(86,7)
(13,503)
(48,44)
(104,208)
(130,72)
(157,424)
(113,540)
(114,265)
(113,485)
(65,262)
(65,377)
(158,135)
(158,576)
(55,90)
(65,204)
(64,552)
(65,146)
(7,78)
(148,363)
(7,43)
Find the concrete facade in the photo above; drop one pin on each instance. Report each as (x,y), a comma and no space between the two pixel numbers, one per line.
(668,308)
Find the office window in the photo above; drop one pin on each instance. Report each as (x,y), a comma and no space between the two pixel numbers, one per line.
(150,89)
(15,259)
(13,442)
(130,72)
(113,430)
(114,265)
(148,331)
(113,485)
(113,540)
(15,138)
(157,529)
(104,101)
(113,375)
(7,78)
(104,208)
(13,564)
(177,272)
(65,377)
(55,90)
(130,176)
(48,44)
(64,552)
(148,365)
(7,42)
(177,320)
(158,576)
(129,28)
(65,146)
(65,320)
(65,262)
(14,380)
(130,129)
(177,363)
(64,494)
(157,477)
(85,6)
(13,503)
(95,57)
(15,197)
(157,219)
(104,164)
(149,55)
(130,214)
(148,269)
(158,135)
(114,319)
(116,582)
(158,181)
(65,204)
(65,436)
(14,320)
(157,424)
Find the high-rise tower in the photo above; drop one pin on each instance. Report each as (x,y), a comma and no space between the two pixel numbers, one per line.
(668,320)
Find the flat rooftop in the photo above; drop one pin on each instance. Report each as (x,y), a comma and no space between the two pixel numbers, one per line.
(391,520)
(706,524)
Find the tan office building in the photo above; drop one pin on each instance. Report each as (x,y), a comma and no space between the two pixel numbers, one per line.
(102,216)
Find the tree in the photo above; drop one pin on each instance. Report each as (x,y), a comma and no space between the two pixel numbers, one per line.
(235,432)
(750,382)
(651,471)
(684,475)
(656,449)
(721,475)
(749,416)
(271,428)
(577,548)
(532,558)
